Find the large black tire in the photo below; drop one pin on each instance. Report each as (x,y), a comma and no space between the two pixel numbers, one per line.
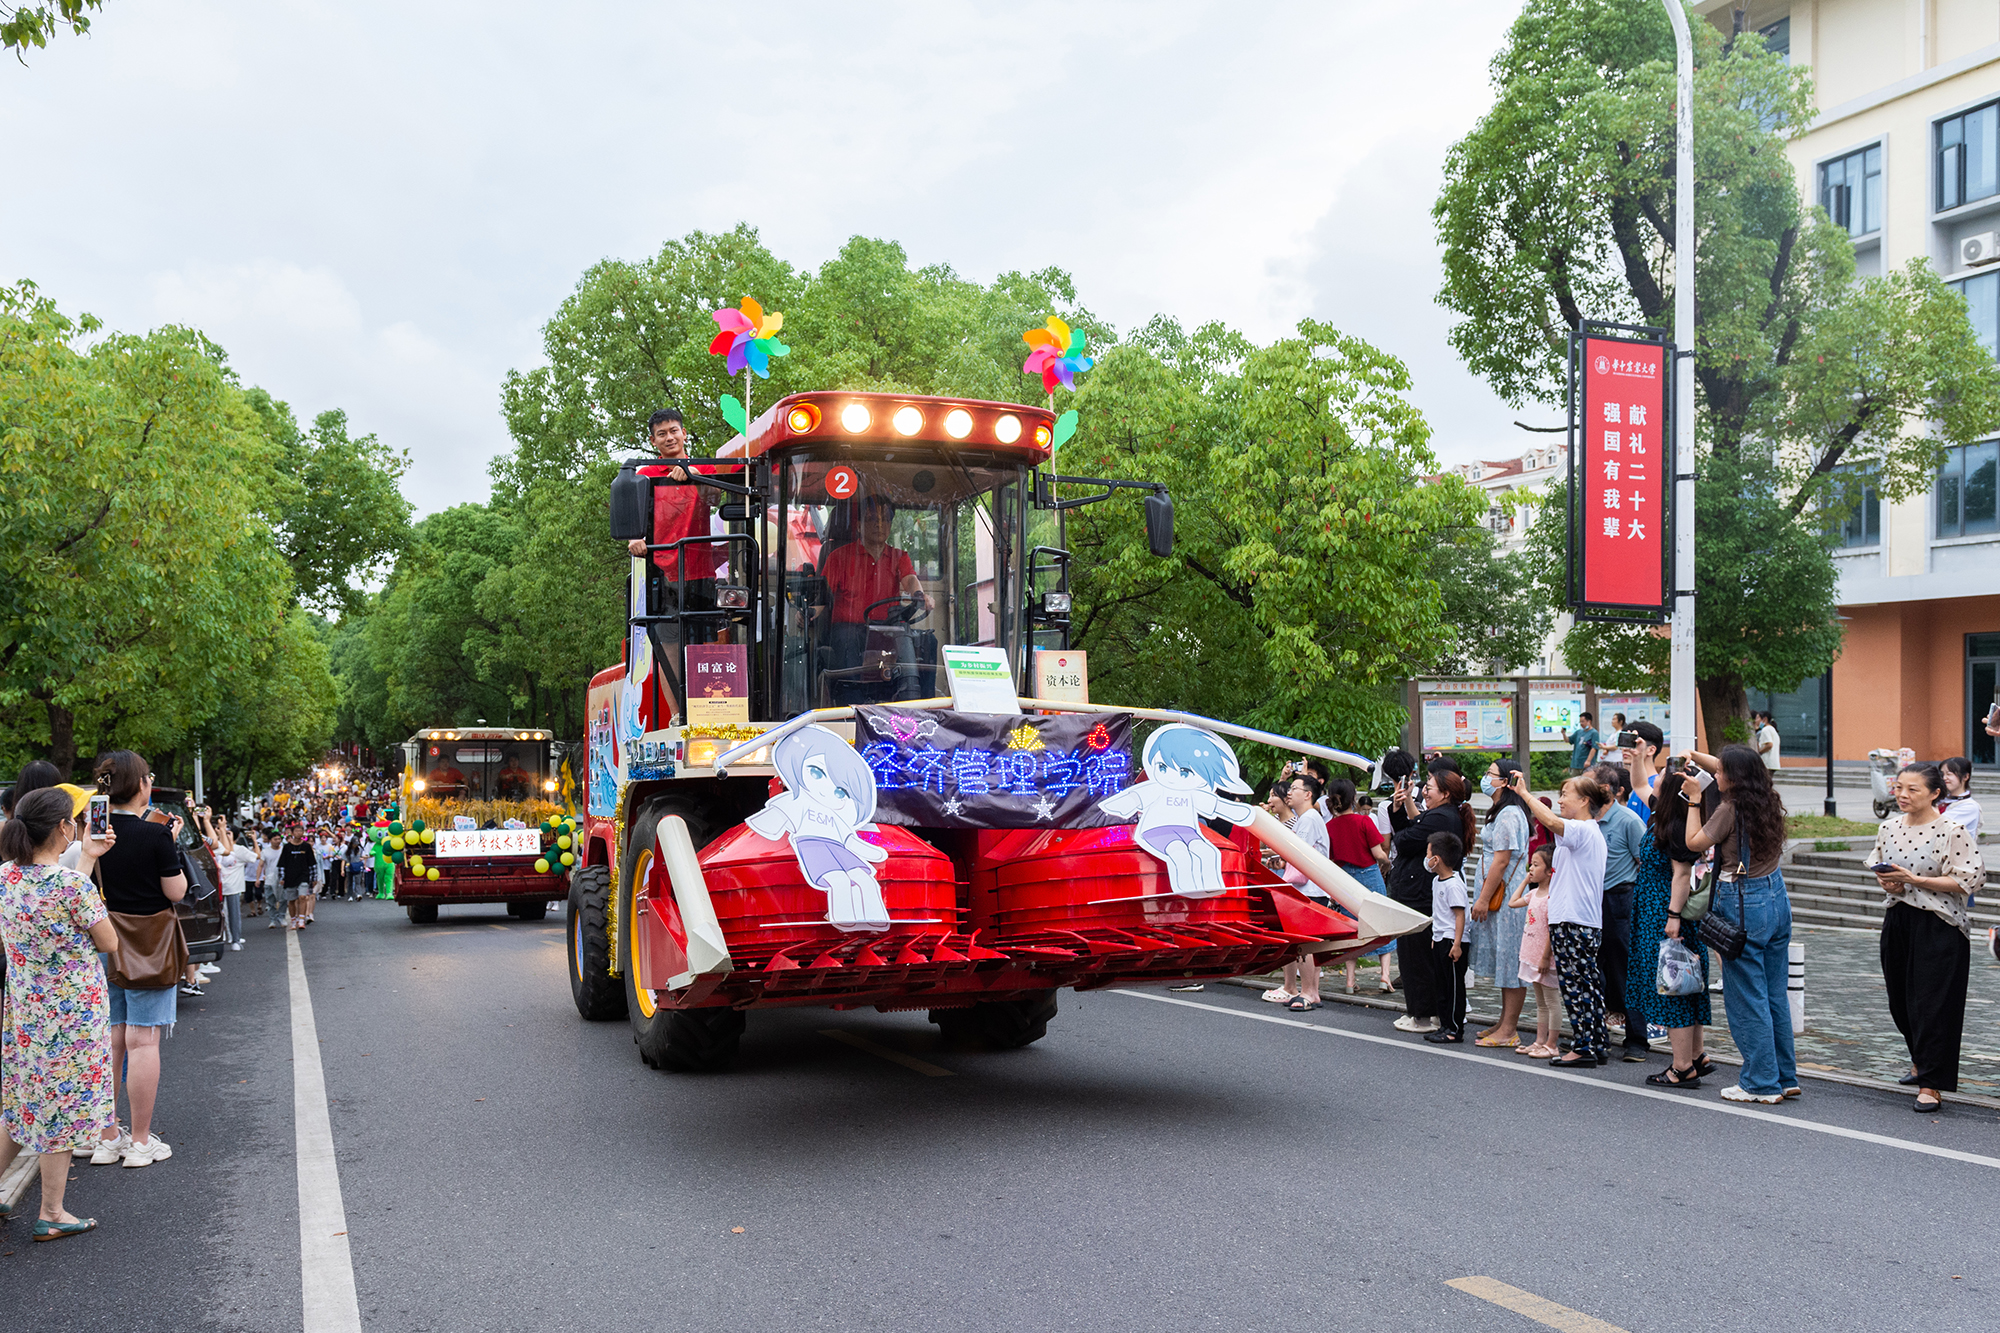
(693,1041)
(680,1041)
(422,914)
(598,994)
(1004,1024)
(527,911)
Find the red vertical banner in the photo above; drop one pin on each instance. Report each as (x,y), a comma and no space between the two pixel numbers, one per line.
(1621,473)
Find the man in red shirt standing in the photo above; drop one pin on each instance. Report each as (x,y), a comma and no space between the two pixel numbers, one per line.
(678,512)
(862,573)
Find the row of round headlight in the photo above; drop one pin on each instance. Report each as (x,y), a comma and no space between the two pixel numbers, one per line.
(908,419)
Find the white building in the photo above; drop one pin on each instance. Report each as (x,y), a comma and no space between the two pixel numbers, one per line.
(1904,153)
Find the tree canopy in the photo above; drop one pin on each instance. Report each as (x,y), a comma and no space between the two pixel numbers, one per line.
(1559,205)
(23,26)
(146,600)
(1305,582)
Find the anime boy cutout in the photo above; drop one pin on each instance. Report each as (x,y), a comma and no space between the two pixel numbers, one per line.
(829,799)
(1186,767)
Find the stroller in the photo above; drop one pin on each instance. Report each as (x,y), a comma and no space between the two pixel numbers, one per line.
(1883,766)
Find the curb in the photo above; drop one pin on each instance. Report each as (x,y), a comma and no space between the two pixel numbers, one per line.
(14,1185)
(1824,1075)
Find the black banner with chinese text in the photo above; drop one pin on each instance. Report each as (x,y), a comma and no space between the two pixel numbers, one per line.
(940,769)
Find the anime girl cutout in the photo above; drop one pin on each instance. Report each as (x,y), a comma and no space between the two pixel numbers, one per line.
(829,798)
(1187,766)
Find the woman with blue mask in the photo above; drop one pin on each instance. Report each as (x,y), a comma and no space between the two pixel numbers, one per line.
(1495,928)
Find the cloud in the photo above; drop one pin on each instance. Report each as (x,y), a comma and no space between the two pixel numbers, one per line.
(375,206)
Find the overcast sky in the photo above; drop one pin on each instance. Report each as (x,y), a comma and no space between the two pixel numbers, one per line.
(376,206)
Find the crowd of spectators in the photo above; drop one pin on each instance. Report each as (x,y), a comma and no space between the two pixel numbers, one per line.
(95,960)
(1580,894)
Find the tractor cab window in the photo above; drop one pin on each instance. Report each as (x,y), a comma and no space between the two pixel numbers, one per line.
(884,561)
(485,770)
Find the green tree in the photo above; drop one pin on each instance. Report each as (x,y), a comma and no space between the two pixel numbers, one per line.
(337,509)
(1299,591)
(1559,205)
(1496,617)
(23,26)
(138,582)
(276,718)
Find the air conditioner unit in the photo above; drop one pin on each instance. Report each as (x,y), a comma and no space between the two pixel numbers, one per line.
(1977,250)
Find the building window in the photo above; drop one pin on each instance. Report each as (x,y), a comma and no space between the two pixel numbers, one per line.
(1778,37)
(1982,299)
(1966,490)
(1855,493)
(1850,190)
(1967,165)
(1499,520)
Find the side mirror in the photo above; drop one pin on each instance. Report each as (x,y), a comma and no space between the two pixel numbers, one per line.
(1160,523)
(631,504)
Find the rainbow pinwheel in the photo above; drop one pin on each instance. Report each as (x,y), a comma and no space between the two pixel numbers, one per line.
(1057,354)
(749,338)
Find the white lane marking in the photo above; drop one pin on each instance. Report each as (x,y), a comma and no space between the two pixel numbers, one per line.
(873,1048)
(1542,1071)
(326,1267)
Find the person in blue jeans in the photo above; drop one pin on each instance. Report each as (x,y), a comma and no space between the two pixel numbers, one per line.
(1748,832)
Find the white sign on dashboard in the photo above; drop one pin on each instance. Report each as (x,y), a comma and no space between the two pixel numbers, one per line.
(488,842)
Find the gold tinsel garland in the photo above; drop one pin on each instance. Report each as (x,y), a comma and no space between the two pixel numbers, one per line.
(727,731)
(439,814)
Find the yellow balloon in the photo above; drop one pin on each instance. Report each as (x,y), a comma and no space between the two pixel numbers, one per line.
(416,865)
(430,836)
(563,842)
(542,865)
(568,858)
(431,873)
(396,844)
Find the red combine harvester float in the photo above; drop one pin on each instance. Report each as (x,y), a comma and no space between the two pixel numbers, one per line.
(919,835)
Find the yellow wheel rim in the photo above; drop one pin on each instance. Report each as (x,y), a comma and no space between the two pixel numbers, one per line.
(640,871)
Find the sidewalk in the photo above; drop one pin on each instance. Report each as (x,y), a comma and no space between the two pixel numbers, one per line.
(1848,1029)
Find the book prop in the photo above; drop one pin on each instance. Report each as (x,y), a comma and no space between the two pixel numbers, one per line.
(827,804)
(1187,770)
(749,339)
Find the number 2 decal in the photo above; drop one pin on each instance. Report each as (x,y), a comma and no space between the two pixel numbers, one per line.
(841,483)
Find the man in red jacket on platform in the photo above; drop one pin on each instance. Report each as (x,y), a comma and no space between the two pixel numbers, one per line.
(678,512)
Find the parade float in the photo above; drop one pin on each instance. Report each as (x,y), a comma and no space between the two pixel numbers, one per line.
(480,818)
(835,777)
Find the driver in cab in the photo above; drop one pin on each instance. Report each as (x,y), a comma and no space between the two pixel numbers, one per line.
(864,572)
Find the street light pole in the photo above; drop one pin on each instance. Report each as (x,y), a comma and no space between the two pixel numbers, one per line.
(1681,698)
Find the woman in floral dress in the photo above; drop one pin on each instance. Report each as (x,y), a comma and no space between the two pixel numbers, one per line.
(56,1085)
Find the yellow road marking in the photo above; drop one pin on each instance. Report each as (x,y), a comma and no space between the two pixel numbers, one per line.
(907,1061)
(1533,1306)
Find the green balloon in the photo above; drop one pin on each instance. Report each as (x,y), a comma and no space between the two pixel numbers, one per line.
(417,824)
(395,827)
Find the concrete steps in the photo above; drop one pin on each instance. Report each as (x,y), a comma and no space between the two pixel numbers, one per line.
(1835,889)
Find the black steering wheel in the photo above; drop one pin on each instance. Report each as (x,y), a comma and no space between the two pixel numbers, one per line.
(914,611)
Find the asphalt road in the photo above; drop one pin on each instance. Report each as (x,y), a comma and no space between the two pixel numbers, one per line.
(1157,1163)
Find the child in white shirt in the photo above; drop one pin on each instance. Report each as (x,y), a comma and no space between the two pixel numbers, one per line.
(1443,856)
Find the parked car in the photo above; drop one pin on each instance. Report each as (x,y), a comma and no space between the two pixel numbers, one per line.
(200,910)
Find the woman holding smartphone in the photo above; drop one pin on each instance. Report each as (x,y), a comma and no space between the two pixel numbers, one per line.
(1747,831)
(1928,865)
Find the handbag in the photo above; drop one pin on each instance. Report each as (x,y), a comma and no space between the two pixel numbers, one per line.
(152,952)
(1721,934)
(1697,905)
